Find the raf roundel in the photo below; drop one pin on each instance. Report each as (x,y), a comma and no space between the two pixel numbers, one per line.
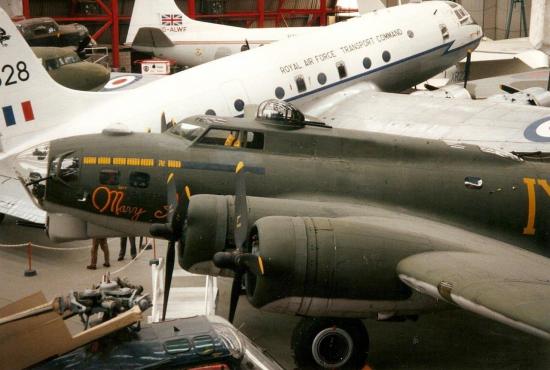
(120,82)
(538,131)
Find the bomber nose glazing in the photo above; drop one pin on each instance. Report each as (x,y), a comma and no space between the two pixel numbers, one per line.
(31,167)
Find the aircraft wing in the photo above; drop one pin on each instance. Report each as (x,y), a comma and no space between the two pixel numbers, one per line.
(491,50)
(503,126)
(324,103)
(533,58)
(480,274)
(15,201)
(515,291)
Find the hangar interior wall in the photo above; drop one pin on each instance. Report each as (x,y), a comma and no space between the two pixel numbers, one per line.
(491,14)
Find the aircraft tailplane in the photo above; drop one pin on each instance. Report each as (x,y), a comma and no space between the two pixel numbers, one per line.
(539,29)
(151,37)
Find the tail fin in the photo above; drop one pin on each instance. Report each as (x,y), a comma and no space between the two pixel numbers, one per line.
(162,14)
(30,100)
(539,29)
(366,6)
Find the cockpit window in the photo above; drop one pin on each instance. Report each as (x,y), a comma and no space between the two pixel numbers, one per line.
(444,31)
(451,4)
(254,140)
(462,15)
(233,138)
(216,136)
(187,131)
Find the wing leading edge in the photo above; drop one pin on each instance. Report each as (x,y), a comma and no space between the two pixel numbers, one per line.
(14,201)
(514,291)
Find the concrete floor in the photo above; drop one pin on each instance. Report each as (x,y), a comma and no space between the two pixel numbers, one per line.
(447,340)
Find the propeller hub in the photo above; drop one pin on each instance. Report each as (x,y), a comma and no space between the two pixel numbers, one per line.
(163,231)
(225,260)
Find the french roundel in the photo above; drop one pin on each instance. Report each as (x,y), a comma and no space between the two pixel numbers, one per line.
(120,82)
(538,131)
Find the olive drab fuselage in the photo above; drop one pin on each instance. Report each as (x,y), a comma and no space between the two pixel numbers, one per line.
(120,182)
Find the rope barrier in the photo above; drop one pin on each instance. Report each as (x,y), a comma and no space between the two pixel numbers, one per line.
(13,245)
(129,263)
(43,247)
(29,246)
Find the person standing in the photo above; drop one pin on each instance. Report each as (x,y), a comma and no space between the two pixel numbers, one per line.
(96,243)
(123,242)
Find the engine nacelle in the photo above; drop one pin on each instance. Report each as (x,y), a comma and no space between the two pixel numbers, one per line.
(331,266)
(210,224)
(206,233)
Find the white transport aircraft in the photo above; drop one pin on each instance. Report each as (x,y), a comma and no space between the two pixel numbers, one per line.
(503,57)
(161,28)
(389,50)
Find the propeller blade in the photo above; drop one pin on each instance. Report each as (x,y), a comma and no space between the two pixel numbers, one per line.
(241,207)
(172,229)
(235,293)
(181,213)
(170,257)
(171,196)
(253,263)
(509,89)
(163,125)
(31,312)
(467,67)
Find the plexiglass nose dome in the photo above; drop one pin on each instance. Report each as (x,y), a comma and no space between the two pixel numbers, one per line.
(32,168)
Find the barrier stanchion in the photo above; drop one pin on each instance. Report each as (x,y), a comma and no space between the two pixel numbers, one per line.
(29,271)
(147,244)
(154,260)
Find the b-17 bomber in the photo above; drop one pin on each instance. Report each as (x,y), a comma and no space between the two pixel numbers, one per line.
(329,224)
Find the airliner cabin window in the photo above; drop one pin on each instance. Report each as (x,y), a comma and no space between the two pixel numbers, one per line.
(139,179)
(300,83)
(342,72)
